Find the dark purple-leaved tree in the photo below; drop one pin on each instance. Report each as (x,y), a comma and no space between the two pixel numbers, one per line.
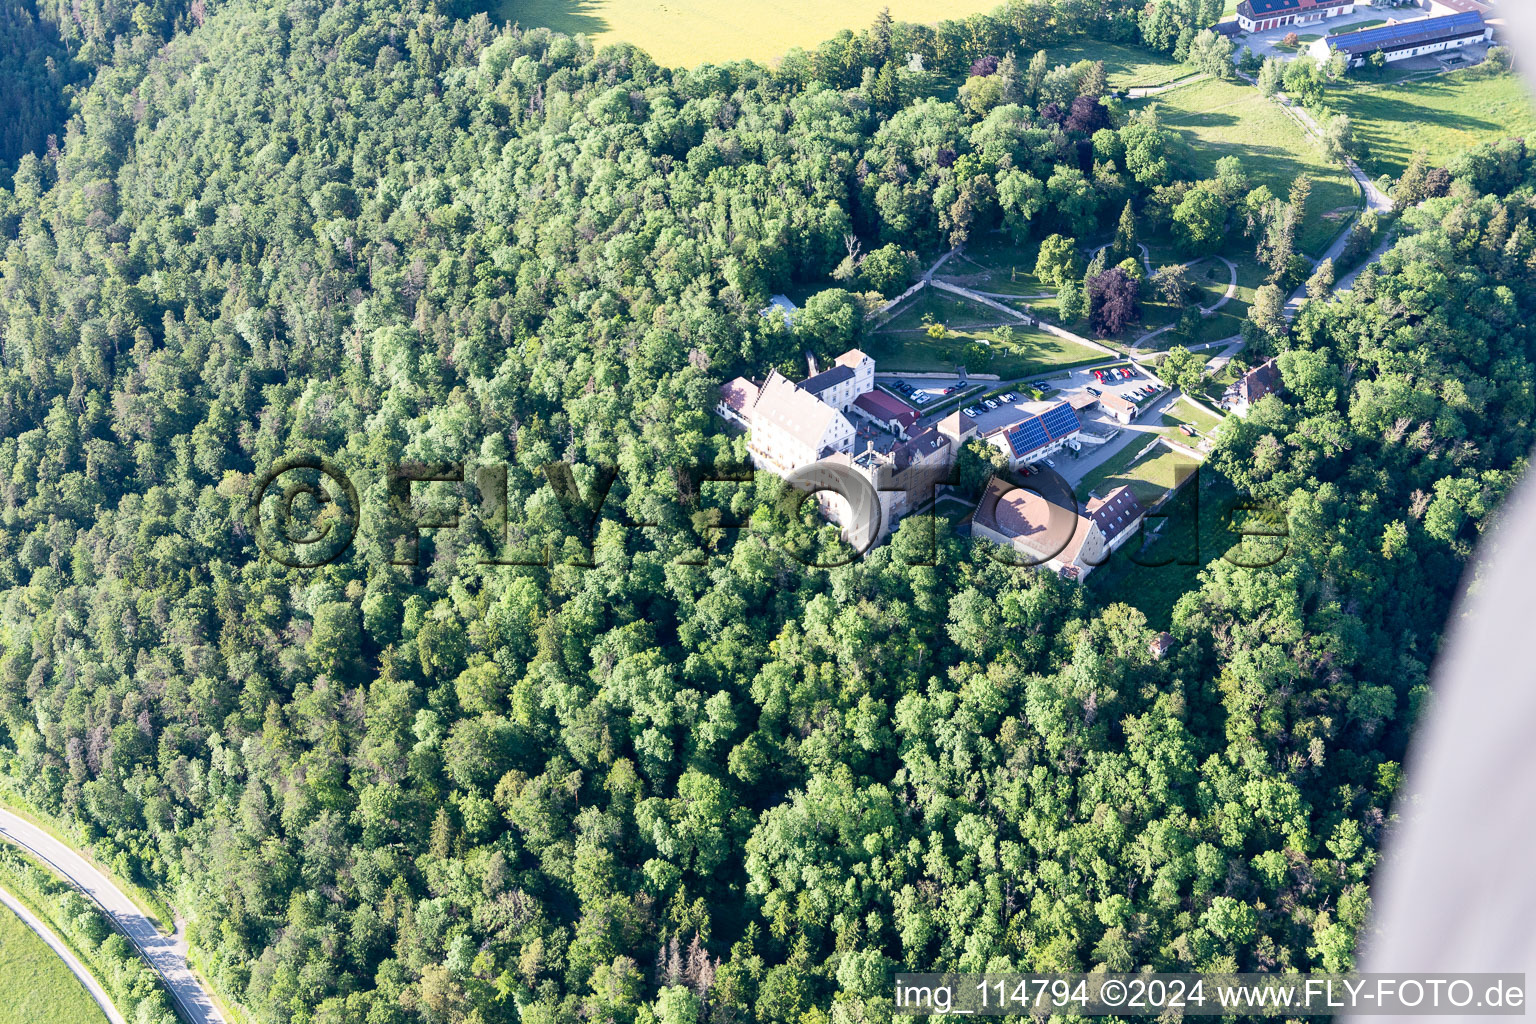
(1088,115)
(1114,301)
(984,67)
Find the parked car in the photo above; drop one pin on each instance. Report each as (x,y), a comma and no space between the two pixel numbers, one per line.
(920,398)
(1095,392)
(1048,462)
(1126,372)
(990,404)
(952,389)
(971,411)
(904,387)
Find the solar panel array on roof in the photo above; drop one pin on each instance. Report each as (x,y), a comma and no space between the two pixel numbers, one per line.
(1060,421)
(1408,33)
(1028,436)
(1038,431)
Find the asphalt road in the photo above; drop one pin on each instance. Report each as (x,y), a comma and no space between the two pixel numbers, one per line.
(166,953)
(78,969)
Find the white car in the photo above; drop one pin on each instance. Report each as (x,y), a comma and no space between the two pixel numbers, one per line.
(921,398)
(971,411)
(990,404)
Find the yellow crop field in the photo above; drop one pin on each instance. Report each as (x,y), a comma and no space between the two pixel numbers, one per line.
(690,32)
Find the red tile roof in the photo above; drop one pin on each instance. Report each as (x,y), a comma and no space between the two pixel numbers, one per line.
(883,407)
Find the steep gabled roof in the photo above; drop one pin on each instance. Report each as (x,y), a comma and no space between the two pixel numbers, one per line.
(738,394)
(1035,432)
(1269,8)
(921,446)
(1262,380)
(826,379)
(798,413)
(957,425)
(1116,513)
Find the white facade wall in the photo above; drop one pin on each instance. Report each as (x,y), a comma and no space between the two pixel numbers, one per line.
(999,441)
(779,451)
(1264,23)
(1419,51)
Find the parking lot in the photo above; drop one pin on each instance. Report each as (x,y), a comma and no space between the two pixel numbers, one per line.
(1125,387)
(1000,413)
(1264,43)
(923,393)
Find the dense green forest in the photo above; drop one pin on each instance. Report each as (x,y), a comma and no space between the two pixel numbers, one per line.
(675,775)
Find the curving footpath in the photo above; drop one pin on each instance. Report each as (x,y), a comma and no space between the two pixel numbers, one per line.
(78,969)
(165,953)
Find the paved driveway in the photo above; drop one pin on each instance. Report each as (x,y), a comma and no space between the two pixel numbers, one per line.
(1140,431)
(1264,43)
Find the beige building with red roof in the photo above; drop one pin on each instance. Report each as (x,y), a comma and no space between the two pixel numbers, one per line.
(793,425)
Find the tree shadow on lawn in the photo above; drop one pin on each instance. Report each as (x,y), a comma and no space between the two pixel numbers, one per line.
(1395,111)
(568,16)
(1204,119)
(1260,162)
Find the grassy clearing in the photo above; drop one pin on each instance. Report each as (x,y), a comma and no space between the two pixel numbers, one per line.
(995,264)
(1185,412)
(1125,66)
(37,985)
(945,308)
(1443,115)
(1228,320)
(684,33)
(1218,119)
(1031,352)
(1150,477)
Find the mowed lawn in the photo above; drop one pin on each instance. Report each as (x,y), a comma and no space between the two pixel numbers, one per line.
(1184,411)
(945,308)
(1030,352)
(1149,477)
(1443,115)
(686,33)
(1220,119)
(37,986)
(1124,66)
